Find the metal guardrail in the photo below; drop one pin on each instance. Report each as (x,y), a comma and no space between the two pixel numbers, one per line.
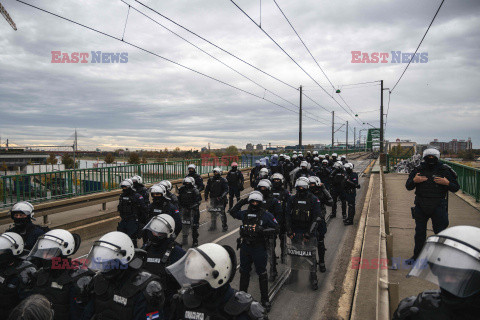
(47,186)
(468,177)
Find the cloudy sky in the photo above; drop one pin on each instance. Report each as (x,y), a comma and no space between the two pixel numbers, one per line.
(151,103)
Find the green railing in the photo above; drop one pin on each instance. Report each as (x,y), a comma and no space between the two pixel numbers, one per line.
(468,177)
(39,187)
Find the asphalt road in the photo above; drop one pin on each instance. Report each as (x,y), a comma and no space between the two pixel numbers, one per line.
(293,301)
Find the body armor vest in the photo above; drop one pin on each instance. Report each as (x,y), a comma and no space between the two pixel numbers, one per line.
(301,213)
(126,206)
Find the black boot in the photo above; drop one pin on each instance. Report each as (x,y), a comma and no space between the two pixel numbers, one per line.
(194,237)
(244,281)
(263,281)
(321,256)
(223,217)
(313,280)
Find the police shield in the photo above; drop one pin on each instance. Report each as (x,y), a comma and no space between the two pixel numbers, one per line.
(215,207)
(302,255)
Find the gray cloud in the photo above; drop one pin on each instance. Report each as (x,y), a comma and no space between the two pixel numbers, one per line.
(150,103)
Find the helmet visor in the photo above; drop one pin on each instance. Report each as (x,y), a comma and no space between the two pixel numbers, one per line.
(159,227)
(5,245)
(47,248)
(104,257)
(454,269)
(194,268)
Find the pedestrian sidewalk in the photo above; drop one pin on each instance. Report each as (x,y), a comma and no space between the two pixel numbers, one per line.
(402,228)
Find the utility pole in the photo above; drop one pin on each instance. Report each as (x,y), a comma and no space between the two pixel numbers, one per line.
(354,137)
(300,122)
(333,127)
(74,148)
(381,116)
(346,140)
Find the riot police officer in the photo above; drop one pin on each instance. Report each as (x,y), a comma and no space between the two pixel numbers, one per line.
(283,195)
(162,204)
(198,179)
(22,216)
(449,259)
(60,279)
(288,166)
(333,159)
(254,172)
(302,219)
(257,226)
(274,206)
(217,189)
(316,165)
(262,174)
(337,189)
(318,189)
(120,289)
(304,171)
(343,159)
(309,157)
(189,198)
(431,180)
(295,161)
(14,272)
(162,251)
(275,165)
(324,174)
(132,209)
(235,184)
(140,188)
(205,274)
(351,186)
(327,157)
(170,195)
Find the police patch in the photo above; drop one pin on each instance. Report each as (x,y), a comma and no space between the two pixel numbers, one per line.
(119,299)
(153,315)
(194,315)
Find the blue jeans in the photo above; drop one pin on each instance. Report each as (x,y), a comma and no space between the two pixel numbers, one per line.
(439,222)
(256,254)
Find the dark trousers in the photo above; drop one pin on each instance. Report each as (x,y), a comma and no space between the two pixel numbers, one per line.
(350,198)
(256,254)
(129,227)
(336,194)
(233,191)
(439,218)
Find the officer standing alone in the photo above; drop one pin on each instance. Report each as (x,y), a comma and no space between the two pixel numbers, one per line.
(432,181)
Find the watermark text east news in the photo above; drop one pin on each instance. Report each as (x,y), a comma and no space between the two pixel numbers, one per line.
(383,57)
(96,57)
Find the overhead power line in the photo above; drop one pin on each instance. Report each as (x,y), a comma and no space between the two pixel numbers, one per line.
(283,50)
(161,57)
(431,22)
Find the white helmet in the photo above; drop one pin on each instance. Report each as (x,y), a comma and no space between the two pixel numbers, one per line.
(315,153)
(343,157)
(309,152)
(126,183)
(287,158)
(210,263)
(338,165)
(217,170)
(302,182)
(294,152)
(315,179)
(137,179)
(255,196)
(294,156)
(304,164)
(431,152)
(191,166)
(277,176)
(264,171)
(158,188)
(11,241)
(334,155)
(326,155)
(265,183)
(189,180)
(316,159)
(452,253)
(23,207)
(348,165)
(325,161)
(162,226)
(167,184)
(113,248)
(55,243)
